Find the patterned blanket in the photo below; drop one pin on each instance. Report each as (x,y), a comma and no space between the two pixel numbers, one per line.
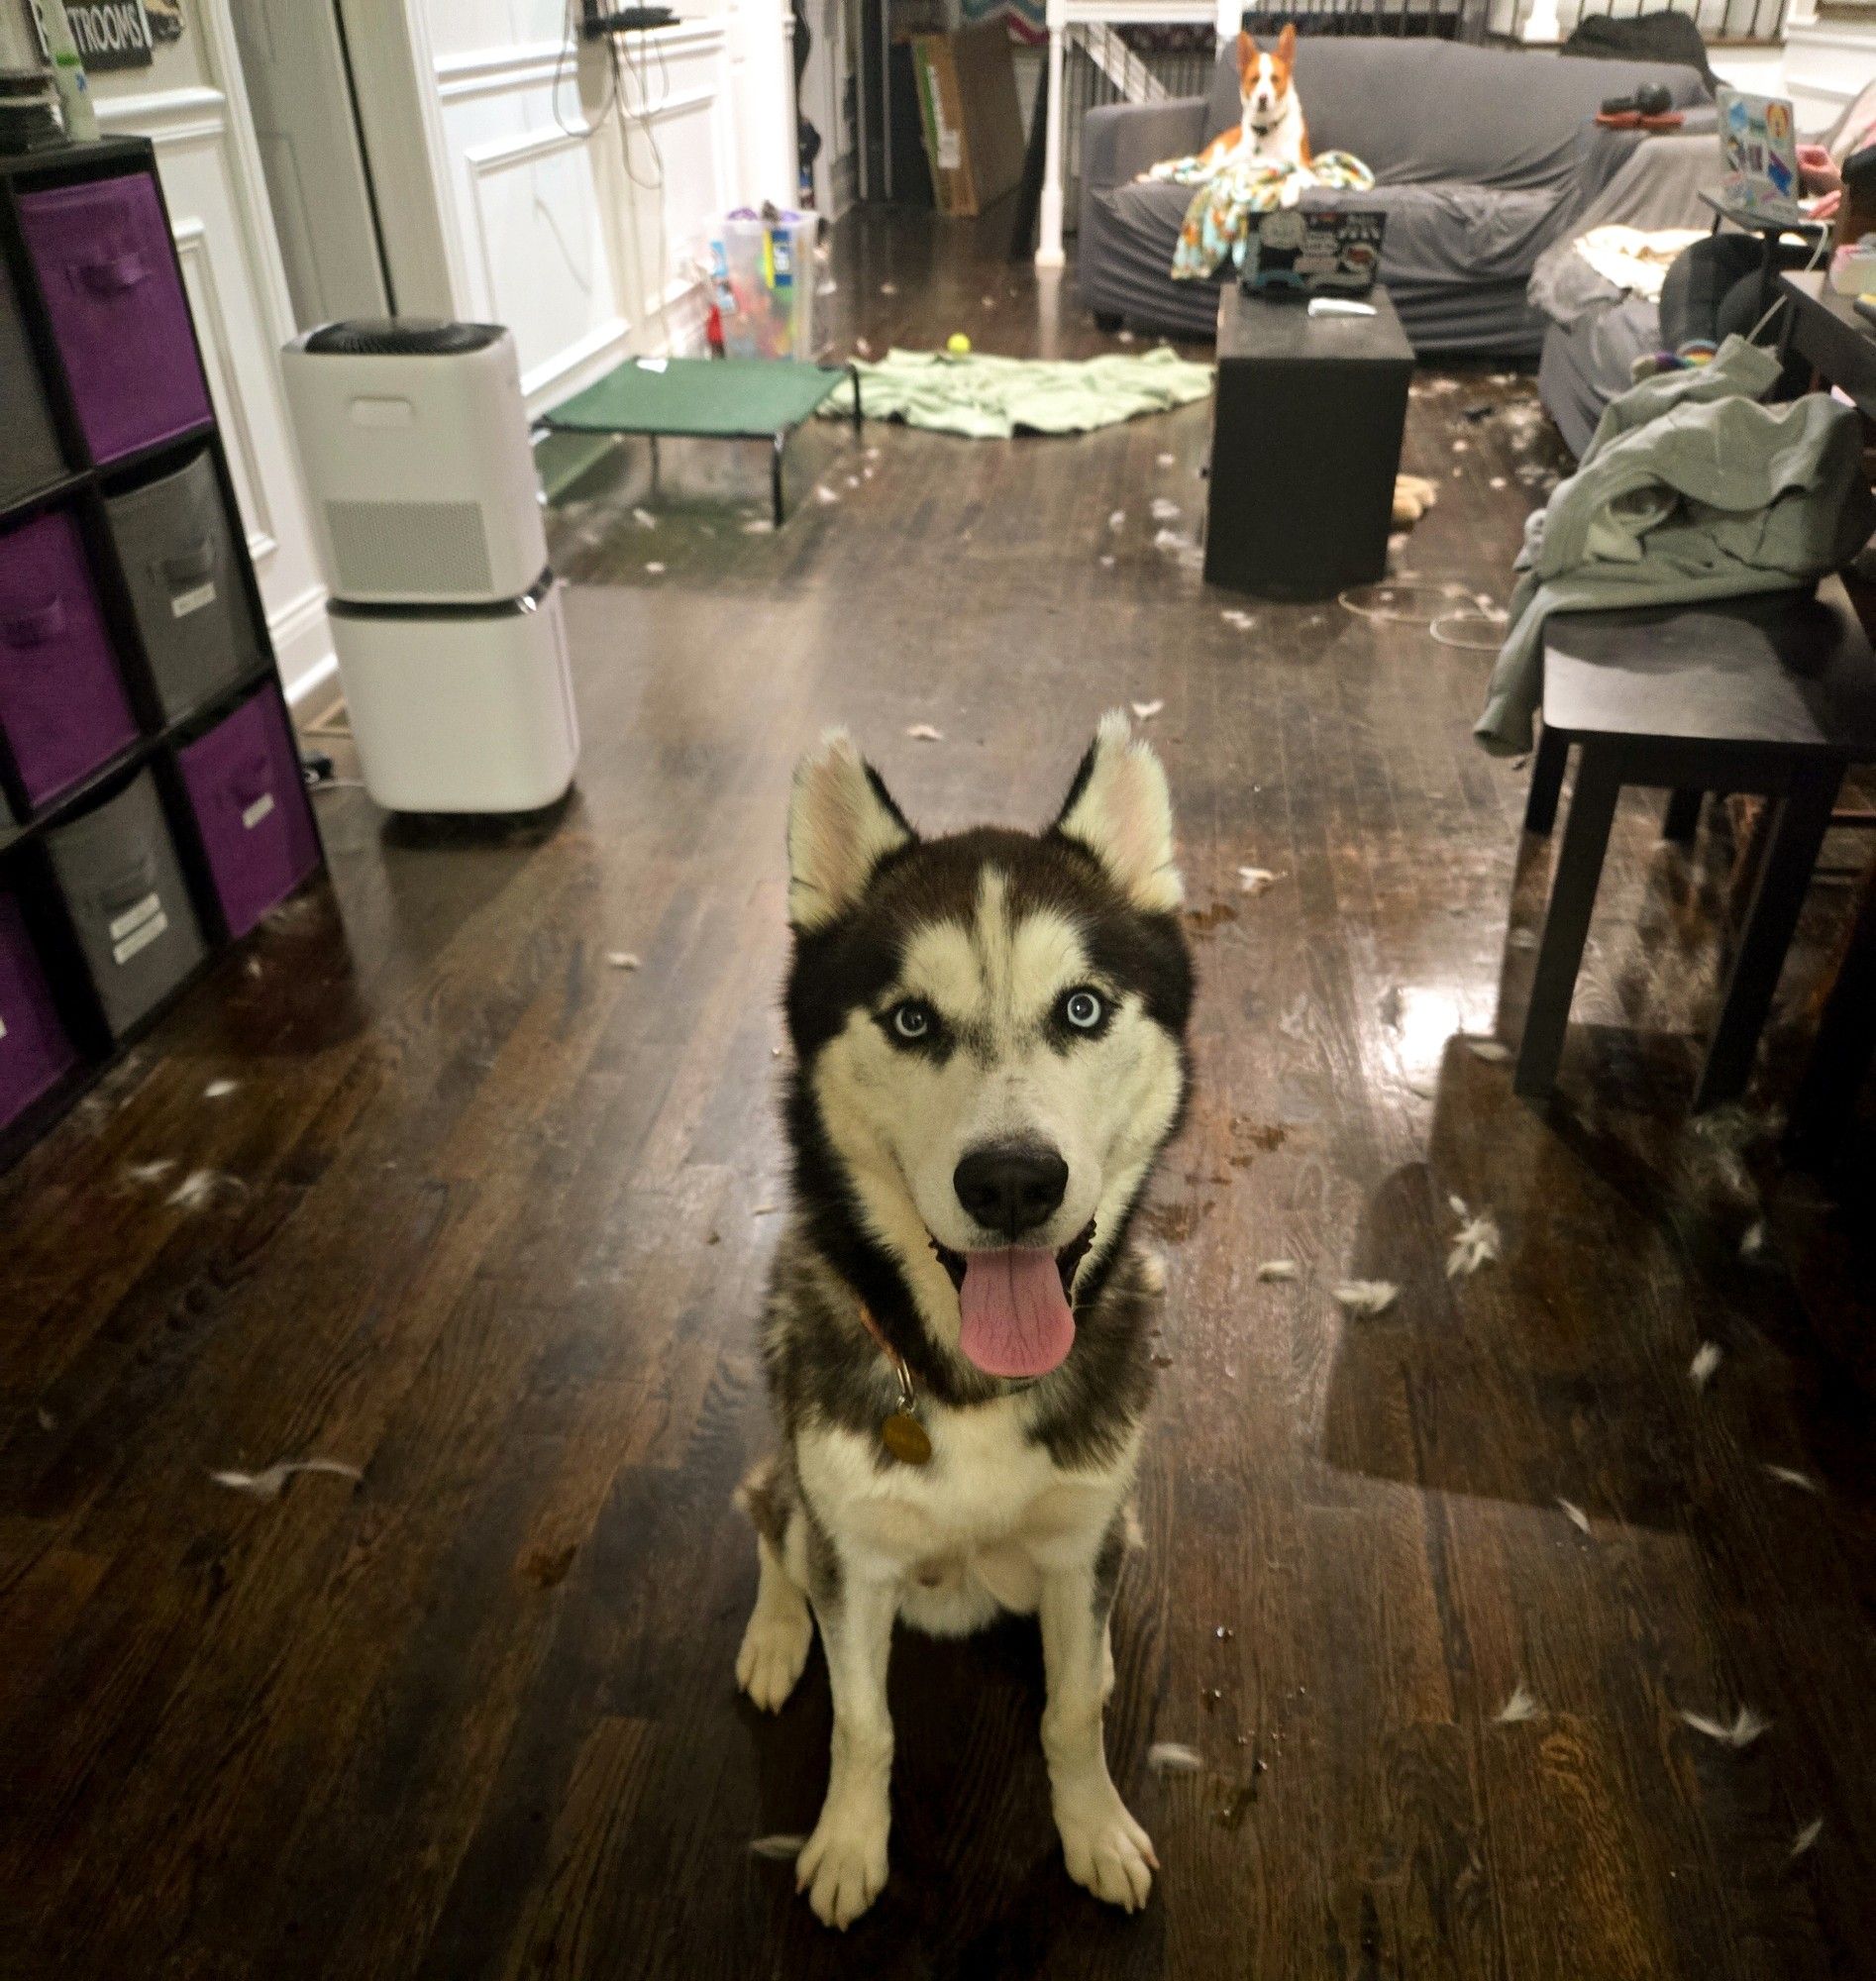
(1215,221)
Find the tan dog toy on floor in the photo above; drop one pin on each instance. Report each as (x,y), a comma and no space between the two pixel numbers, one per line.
(1413,495)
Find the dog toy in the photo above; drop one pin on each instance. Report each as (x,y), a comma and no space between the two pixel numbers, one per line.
(957,344)
(1413,495)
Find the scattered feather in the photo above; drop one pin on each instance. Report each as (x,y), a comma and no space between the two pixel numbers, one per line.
(1707,1358)
(1107,563)
(783,1848)
(1166,461)
(1518,1708)
(1145,711)
(1254,880)
(870,454)
(862,347)
(1124,337)
(1498,481)
(824,494)
(1788,1475)
(1276,1269)
(252,966)
(1388,1007)
(1367,1297)
(645,519)
(201,1188)
(1116,519)
(46,1421)
(622,959)
(653,569)
(1163,509)
(852,481)
(1493,1051)
(758,526)
(923,732)
(1575,1514)
(1474,1244)
(1745,1727)
(150,1172)
(889,288)
(219,1090)
(1752,1240)
(1172,1758)
(1241,620)
(1806,1836)
(1521,939)
(272,1483)
(1462,446)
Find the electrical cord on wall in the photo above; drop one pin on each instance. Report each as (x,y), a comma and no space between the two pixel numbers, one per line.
(638,108)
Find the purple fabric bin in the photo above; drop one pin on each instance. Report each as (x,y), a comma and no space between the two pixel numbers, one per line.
(33,1048)
(61,700)
(244,782)
(108,273)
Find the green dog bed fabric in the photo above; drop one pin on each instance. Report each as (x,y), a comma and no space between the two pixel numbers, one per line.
(992,398)
(722,398)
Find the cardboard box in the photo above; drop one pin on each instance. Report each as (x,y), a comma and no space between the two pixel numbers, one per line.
(967,101)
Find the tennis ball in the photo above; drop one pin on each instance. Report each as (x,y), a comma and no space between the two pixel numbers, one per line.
(957,344)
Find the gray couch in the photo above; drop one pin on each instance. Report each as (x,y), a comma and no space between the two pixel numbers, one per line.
(1483,158)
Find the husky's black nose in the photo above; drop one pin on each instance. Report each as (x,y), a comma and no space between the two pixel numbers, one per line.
(1010,1186)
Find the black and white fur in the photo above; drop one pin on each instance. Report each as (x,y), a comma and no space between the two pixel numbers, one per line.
(1026,1504)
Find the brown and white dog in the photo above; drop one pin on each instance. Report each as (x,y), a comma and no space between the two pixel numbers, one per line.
(1273,125)
(989,1053)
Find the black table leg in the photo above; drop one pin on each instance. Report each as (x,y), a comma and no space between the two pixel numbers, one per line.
(1802,818)
(1567,920)
(1681,820)
(1825,1102)
(1546,780)
(774,477)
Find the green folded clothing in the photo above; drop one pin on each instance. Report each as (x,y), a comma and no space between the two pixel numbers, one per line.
(992,398)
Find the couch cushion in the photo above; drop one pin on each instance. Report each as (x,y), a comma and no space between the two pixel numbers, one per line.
(1419,112)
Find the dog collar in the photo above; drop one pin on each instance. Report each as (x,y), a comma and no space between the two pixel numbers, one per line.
(904,1436)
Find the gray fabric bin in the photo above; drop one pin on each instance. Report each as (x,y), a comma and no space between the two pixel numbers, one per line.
(30,454)
(173,541)
(125,891)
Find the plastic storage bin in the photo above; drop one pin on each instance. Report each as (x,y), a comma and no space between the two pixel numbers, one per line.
(766,284)
(30,455)
(126,896)
(250,802)
(34,1049)
(173,541)
(61,700)
(108,274)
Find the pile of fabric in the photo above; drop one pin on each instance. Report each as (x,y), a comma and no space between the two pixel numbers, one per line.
(1218,220)
(1690,489)
(992,398)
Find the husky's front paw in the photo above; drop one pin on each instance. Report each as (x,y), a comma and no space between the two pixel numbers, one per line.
(774,1652)
(1105,1848)
(842,1866)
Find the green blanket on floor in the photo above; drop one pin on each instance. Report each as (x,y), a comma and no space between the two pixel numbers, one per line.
(992,398)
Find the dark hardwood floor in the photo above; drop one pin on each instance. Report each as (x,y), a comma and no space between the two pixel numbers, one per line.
(491,1222)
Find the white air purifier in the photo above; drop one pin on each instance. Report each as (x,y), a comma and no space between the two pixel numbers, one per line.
(446,618)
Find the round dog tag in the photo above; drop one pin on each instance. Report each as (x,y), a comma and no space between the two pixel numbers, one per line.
(906,1438)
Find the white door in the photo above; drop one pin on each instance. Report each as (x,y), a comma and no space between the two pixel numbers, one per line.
(299,87)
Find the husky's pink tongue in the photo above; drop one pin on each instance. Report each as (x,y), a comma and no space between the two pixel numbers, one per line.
(1016,1319)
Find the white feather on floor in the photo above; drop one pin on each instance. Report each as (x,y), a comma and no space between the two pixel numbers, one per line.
(783,1846)
(1788,1475)
(1278,1269)
(1705,1362)
(219,1090)
(1366,1297)
(1806,1836)
(622,959)
(1493,1051)
(924,732)
(1575,1514)
(1518,1708)
(272,1483)
(1172,1758)
(1742,1731)
(1476,1243)
(1254,880)
(1145,711)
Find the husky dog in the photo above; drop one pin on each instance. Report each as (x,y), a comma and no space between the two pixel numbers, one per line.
(989,1054)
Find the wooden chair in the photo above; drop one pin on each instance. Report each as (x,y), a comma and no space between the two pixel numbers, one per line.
(1774,694)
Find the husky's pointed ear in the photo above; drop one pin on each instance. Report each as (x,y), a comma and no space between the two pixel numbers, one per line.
(1118,808)
(842,822)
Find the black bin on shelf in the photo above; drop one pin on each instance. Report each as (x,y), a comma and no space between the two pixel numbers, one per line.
(30,454)
(128,901)
(177,550)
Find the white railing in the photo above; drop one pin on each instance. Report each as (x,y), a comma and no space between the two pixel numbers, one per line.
(1068,15)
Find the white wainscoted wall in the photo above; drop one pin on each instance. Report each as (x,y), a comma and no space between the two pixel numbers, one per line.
(579,210)
(190,102)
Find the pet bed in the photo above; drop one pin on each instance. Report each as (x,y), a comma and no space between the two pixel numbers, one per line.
(707,398)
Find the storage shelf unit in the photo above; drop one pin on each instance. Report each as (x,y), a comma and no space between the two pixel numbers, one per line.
(129,857)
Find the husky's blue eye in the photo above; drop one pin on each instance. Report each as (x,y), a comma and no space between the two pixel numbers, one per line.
(1083,1009)
(911,1019)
